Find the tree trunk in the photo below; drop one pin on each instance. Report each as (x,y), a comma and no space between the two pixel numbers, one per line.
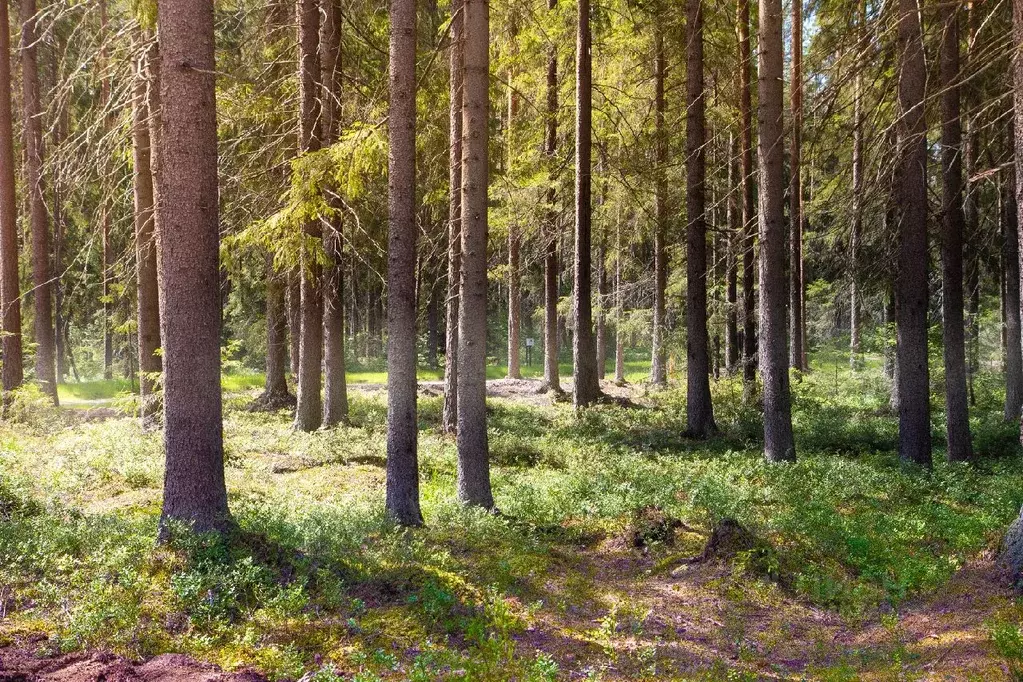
(309,411)
(514,246)
(619,307)
(335,386)
(699,408)
(659,355)
(749,210)
(774,361)
(275,392)
(38,215)
(855,349)
(971,209)
(584,357)
(402,423)
(148,291)
(58,254)
(294,303)
(194,490)
(10,294)
(731,265)
(601,307)
(551,371)
(911,283)
(105,216)
(473,450)
(952,224)
(449,419)
(796,333)
(1010,257)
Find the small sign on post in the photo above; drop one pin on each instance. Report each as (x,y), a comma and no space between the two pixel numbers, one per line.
(530,342)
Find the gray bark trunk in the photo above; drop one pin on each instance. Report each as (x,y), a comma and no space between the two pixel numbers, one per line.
(449,418)
(774,361)
(188,252)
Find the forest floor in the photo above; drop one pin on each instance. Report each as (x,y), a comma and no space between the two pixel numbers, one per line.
(853,567)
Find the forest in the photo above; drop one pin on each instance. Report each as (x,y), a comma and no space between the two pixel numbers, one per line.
(358,341)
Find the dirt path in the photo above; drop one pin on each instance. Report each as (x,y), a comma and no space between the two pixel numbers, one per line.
(629,616)
(518,390)
(24,665)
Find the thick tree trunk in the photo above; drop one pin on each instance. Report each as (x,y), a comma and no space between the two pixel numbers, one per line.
(473,450)
(194,490)
(309,411)
(855,345)
(449,419)
(952,225)
(911,283)
(551,371)
(734,217)
(148,291)
(774,366)
(1010,258)
(335,386)
(659,355)
(275,392)
(38,215)
(699,408)
(10,293)
(586,387)
(749,209)
(796,332)
(402,423)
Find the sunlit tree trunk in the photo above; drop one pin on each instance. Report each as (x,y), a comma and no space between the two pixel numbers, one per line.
(335,386)
(796,332)
(10,289)
(551,372)
(699,409)
(473,450)
(774,361)
(147,287)
(39,218)
(402,424)
(194,491)
(449,418)
(659,355)
(309,411)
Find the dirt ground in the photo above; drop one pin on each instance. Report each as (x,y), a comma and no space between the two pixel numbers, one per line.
(25,665)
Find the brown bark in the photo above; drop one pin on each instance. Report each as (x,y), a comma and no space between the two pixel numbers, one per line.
(586,387)
(449,418)
(10,294)
(106,220)
(551,371)
(473,449)
(146,275)
(659,355)
(294,304)
(797,356)
(335,386)
(38,215)
(855,349)
(188,243)
(602,297)
(1010,259)
(402,498)
(699,408)
(59,321)
(911,282)
(952,226)
(514,248)
(731,263)
(774,361)
(309,411)
(749,210)
(619,307)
